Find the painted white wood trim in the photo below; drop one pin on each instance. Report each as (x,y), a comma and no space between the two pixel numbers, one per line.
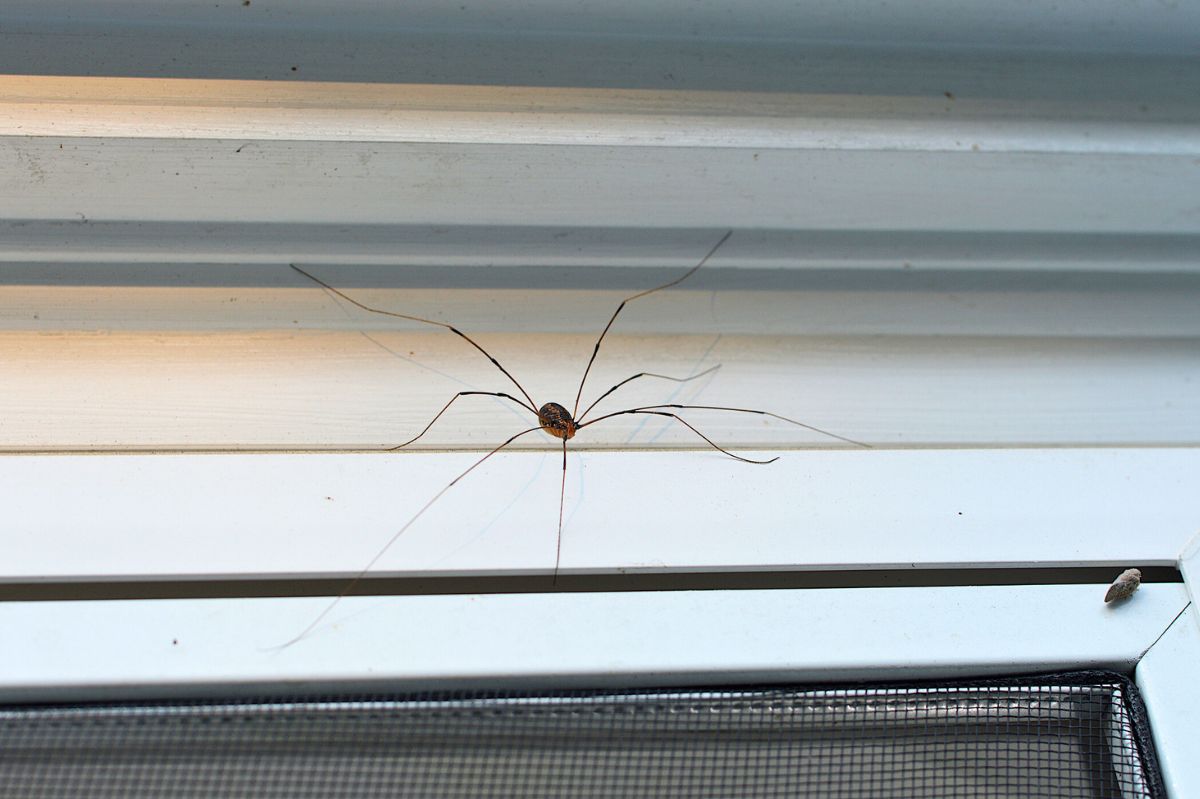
(1169,679)
(167,516)
(122,179)
(258,111)
(229,646)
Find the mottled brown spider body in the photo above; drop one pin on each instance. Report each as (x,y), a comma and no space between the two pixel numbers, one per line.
(556,420)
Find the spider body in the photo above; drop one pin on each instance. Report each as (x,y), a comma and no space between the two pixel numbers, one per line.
(556,420)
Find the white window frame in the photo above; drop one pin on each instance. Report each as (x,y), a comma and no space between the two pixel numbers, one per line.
(125,151)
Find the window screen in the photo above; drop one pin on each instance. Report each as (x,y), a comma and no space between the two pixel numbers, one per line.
(1064,735)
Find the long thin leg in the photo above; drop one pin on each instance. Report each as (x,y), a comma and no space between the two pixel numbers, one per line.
(707,371)
(562,493)
(735,410)
(358,577)
(446,407)
(620,307)
(451,328)
(681,420)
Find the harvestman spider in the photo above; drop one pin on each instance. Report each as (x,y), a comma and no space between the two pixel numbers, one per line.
(553,418)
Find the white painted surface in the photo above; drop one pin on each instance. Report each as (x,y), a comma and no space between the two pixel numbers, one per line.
(172,647)
(101,517)
(736,187)
(371,154)
(1169,679)
(142,108)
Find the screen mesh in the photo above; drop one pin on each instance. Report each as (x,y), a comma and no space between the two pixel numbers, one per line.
(1065,735)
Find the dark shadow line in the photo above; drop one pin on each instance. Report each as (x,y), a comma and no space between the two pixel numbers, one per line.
(568,582)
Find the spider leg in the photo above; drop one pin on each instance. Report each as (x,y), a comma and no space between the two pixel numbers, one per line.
(562,493)
(707,371)
(358,577)
(603,333)
(739,410)
(446,407)
(681,420)
(451,328)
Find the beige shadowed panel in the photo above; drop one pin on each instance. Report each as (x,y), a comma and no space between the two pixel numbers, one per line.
(168,358)
(336,390)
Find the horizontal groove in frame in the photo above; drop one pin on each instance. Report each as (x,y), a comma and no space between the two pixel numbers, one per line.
(1109,317)
(573,583)
(66,252)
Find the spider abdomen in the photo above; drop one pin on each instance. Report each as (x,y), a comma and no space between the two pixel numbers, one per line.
(556,420)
